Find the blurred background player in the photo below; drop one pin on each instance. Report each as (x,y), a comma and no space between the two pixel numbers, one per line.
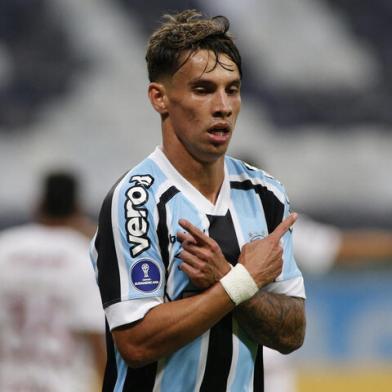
(51,319)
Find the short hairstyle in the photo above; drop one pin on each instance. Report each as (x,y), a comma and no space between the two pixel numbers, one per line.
(59,194)
(188,31)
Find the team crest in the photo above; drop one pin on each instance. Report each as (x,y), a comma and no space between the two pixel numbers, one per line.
(257,236)
(146,275)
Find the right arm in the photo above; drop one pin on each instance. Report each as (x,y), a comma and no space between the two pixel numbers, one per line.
(169,326)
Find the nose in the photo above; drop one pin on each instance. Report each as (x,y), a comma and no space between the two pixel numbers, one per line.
(222,105)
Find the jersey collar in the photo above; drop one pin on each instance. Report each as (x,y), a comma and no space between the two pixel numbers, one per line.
(190,192)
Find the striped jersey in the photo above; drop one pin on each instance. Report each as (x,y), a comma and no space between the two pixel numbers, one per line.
(135,257)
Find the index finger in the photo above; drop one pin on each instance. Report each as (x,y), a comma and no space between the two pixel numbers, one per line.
(283,226)
(197,234)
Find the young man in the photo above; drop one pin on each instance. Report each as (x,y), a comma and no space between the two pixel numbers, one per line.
(193,253)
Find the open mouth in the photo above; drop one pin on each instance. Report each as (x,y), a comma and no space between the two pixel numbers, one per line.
(219,134)
(219,130)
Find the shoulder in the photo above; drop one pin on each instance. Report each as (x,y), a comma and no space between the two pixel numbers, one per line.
(243,174)
(16,234)
(143,179)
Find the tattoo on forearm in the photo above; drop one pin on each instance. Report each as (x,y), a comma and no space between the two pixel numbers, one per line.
(274,320)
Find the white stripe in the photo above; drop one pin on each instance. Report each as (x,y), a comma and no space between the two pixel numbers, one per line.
(252,376)
(205,339)
(191,193)
(122,266)
(126,312)
(159,375)
(293,287)
(234,358)
(257,181)
(160,191)
(94,255)
(170,286)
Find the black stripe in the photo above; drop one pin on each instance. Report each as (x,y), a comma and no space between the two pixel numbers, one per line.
(220,346)
(258,380)
(108,281)
(162,229)
(220,352)
(141,379)
(110,377)
(108,272)
(273,208)
(137,380)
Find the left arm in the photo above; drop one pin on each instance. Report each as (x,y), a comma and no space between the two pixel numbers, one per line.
(273,320)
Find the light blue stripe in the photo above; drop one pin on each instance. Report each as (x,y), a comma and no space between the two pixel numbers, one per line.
(290,268)
(245,365)
(180,373)
(181,208)
(246,209)
(121,372)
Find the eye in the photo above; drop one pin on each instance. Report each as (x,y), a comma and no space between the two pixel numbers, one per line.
(233,90)
(201,89)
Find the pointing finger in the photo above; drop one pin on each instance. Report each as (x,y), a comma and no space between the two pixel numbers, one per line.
(197,234)
(185,237)
(283,226)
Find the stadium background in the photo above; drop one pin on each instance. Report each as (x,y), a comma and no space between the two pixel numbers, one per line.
(317,96)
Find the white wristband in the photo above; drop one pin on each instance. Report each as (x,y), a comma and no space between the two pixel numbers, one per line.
(239,284)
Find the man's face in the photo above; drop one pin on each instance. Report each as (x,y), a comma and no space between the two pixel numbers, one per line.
(203,103)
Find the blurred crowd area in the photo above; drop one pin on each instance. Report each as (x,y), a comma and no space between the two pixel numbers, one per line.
(317,92)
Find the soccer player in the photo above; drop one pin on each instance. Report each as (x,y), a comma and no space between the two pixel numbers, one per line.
(193,253)
(51,319)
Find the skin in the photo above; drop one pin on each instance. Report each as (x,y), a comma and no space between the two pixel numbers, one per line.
(199,106)
(273,320)
(195,99)
(363,245)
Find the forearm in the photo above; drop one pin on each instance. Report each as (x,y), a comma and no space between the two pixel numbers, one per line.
(362,245)
(170,326)
(274,320)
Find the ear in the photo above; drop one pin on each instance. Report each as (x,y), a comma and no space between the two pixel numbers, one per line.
(157,96)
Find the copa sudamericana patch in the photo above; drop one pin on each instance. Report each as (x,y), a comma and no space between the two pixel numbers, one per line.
(146,275)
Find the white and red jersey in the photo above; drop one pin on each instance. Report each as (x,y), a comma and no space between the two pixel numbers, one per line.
(48,300)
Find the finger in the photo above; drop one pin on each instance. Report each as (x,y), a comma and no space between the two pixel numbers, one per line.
(185,237)
(283,226)
(197,234)
(197,251)
(192,260)
(189,270)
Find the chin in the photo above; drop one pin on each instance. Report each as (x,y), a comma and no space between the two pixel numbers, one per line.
(213,156)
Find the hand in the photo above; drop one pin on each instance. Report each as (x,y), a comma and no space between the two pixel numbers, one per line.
(263,258)
(203,260)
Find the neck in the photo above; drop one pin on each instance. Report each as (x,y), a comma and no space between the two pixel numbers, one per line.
(206,177)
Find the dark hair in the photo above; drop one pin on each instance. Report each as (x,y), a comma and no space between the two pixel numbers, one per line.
(188,31)
(59,195)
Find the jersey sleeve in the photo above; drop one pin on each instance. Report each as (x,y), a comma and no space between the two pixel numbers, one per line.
(130,271)
(290,281)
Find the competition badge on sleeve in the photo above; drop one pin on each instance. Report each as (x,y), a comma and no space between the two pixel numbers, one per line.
(146,275)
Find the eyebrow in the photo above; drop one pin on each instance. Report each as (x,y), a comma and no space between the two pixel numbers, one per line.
(200,81)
